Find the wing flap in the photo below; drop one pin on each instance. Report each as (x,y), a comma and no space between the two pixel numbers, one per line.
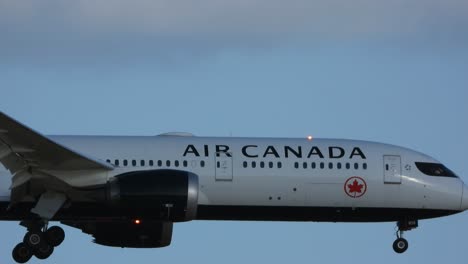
(21,147)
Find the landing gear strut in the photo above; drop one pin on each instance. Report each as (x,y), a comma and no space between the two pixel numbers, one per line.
(39,241)
(401,245)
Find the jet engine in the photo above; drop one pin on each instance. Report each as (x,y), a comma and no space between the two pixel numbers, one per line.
(128,234)
(165,195)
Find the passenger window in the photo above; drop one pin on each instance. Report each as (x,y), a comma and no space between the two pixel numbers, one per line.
(117,162)
(280,165)
(270,164)
(330,165)
(322,165)
(254,164)
(296,165)
(125,162)
(133,163)
(176,163)
(108,161)
(185,163)
(313,165)
(356,166)
(348,166)
(262,164)
(364,166)
(159,163)
(151,163)
(338,165)
(202,163)
(304,165)
(245,164)
(142,163)
(435,169)
(168,163)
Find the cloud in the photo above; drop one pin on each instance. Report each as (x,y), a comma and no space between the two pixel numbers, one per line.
(89,28)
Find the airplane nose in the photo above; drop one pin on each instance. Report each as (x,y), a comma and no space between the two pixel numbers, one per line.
(464,201)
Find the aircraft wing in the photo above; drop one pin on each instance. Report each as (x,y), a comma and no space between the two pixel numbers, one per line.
(21,147)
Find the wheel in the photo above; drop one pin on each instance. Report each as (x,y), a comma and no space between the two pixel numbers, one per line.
(400,245)
(22,253)
(55,236)
(33,239)
(43,251)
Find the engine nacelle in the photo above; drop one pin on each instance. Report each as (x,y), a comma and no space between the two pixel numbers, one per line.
(128,234)
(169,195)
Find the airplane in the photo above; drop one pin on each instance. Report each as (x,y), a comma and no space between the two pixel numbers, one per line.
(127,191)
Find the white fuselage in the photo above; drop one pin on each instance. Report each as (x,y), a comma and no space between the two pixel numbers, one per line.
(277,172)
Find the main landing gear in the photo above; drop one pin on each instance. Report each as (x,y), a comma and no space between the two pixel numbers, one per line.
(401,245)
(39,241)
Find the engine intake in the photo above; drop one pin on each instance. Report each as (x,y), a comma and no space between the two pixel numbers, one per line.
(169,195)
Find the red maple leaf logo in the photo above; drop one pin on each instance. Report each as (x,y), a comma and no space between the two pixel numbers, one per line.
(355,187)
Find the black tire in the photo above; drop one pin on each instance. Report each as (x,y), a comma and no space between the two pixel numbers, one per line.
(55,236)
(43,251)
(33,239)
(400,245)
(22,253)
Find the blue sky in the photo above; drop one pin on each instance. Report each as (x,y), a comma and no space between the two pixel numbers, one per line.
(387,71)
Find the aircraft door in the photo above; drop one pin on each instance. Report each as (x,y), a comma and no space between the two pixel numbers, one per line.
(392,169)
(223,167)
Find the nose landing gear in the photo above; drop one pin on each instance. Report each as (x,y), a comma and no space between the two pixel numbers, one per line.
(39,241)
(401,245)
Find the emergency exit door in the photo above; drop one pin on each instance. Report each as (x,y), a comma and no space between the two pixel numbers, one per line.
(223,167)
(392,169)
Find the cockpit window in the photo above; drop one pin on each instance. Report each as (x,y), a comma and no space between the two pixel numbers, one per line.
(435,169)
